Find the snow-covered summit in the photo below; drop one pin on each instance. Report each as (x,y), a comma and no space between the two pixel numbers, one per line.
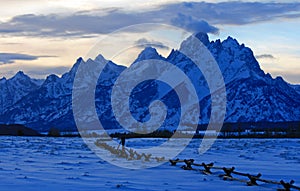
(148,53)
(14,89)
(203,37)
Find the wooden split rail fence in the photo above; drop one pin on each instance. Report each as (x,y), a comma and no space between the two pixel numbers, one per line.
(128,154)
(229,172)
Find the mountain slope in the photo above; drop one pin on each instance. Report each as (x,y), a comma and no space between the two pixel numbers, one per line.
(296,87)
(15,88)
(252,95)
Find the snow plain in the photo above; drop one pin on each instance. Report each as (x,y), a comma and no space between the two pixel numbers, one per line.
(42,163)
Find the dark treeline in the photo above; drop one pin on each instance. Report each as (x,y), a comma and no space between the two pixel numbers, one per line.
(258,130)
(17,130)
(257,126)
(229,130)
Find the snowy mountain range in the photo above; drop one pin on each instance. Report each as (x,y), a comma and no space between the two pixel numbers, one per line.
(15,88)
(252,95)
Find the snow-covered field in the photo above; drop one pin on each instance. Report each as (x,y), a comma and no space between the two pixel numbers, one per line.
(37,163)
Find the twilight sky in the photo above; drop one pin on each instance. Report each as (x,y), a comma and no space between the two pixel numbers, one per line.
(47,36)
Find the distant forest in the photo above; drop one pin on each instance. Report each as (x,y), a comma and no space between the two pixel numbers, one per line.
(229,130)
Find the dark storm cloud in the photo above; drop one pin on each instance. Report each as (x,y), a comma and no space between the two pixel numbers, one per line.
(143,43)
(194,25)
(9,58)
(194,16)
(237,13)
(77,24)
(268,56)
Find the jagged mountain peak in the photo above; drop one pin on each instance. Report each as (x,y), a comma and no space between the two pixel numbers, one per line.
(73,70)
(100,58)
(148,53)
(252,95)
(231,39)
(51,78)
(14,89)
(22,81)
(203,37)
(281,83)
(232,44)
(20,76)
(20,73)
(233,56)
(79,60)
(279,79)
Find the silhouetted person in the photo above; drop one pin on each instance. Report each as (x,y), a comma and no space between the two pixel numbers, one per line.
(123,141)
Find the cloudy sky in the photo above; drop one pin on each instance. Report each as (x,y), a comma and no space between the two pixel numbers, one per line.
(47,36)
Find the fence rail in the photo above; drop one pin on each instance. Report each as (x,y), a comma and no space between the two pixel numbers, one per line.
(229,172)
